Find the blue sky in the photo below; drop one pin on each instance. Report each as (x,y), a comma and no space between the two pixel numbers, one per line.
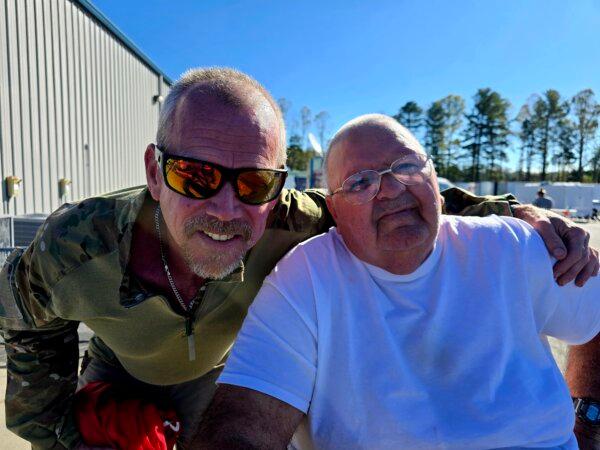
(350,57)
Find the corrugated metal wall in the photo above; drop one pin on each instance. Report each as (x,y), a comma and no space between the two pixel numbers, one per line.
(75,102)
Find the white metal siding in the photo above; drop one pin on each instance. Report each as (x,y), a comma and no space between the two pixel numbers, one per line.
(75,102)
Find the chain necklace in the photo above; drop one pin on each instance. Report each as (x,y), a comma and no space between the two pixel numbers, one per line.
(189,329)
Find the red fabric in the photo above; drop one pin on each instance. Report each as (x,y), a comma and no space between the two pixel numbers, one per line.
(107,418)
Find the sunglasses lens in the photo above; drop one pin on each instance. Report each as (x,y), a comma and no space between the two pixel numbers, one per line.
(259,186)
(192,179)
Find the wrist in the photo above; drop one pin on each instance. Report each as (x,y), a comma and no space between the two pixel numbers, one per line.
(586,430)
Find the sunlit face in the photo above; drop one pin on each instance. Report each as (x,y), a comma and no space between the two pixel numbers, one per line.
(214,234)
(400,220)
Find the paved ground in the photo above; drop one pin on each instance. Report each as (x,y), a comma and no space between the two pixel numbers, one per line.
(8,441)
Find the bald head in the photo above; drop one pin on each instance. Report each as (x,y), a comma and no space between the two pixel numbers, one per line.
(368,132)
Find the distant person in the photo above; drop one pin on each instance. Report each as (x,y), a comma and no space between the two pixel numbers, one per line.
(543,201)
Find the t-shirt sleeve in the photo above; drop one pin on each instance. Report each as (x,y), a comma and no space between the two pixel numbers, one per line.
(568,313)
(276,349)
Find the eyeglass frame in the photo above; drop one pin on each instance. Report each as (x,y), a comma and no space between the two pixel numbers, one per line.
(381,173)
(229,175)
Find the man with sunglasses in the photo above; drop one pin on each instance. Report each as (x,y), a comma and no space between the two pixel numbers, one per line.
(411,330)
(164,274)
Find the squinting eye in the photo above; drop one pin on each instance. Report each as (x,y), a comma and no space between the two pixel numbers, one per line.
(406,168)
(358,184)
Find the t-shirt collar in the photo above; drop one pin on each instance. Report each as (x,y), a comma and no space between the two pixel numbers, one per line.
(424,269)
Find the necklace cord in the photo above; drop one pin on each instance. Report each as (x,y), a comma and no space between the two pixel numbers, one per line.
(157,213)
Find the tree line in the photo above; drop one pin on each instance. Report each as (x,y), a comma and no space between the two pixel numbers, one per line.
(556,138)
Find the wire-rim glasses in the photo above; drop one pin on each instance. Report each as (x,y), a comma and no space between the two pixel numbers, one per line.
(363,186)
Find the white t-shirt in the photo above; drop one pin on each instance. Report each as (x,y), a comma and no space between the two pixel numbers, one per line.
(450,356)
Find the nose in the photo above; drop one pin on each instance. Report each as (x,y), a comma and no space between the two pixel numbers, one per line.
(224,205)
(390,187)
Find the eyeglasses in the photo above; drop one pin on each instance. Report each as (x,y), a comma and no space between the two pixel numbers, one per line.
(363,186)
(199,180)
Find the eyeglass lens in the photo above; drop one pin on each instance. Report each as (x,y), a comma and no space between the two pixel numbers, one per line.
(363,186)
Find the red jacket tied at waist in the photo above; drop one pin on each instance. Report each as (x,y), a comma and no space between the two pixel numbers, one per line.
(106,418)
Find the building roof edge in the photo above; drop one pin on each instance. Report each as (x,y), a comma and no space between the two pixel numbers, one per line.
(89,7)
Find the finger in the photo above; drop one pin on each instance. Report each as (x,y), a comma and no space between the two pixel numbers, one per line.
(576,240)
(551,238)
(587,272)
(573,271)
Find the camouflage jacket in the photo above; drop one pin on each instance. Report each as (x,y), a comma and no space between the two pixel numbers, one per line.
(75,271)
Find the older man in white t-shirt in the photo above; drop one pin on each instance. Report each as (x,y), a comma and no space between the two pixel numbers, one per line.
(402,328)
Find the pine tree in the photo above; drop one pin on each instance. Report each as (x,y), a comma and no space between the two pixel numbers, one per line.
(411,116)
(454,108)
(548,112)
(586,111)
(435,130)
(527,136)
(486,133)
(565,156)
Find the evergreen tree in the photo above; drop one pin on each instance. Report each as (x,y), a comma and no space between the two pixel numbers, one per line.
(496,134)
(486,133)
(527,137)
(586,111)
(548,112)
(565,156)
(297,158)
(411,116)
(435,130)
(454,108)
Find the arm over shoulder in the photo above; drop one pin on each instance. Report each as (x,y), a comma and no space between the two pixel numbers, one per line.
(569,312)
(464,203)
(304,211)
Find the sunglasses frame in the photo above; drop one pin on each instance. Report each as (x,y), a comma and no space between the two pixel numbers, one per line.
(227,175)
(427,163)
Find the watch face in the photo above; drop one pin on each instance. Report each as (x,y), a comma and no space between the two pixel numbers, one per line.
(592,412)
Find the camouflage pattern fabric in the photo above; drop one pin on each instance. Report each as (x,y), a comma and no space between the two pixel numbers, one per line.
(41,337)
(463,203)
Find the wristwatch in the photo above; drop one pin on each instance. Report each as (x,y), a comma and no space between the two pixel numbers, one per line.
(587,410)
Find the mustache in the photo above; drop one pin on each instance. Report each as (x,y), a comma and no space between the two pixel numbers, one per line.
(216,226)
(382,208)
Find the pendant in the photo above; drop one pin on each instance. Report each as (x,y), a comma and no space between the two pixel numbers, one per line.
(189,332)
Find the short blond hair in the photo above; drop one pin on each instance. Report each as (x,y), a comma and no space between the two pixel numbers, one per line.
(224,83)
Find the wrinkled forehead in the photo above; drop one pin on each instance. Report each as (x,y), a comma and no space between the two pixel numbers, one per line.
(369,146)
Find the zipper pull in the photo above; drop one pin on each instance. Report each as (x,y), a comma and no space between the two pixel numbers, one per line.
(189,332)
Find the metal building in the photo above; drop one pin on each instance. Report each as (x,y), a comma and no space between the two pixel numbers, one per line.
(79,102)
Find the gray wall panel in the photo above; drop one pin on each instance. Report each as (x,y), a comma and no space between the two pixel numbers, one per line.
(76,102)
(5,140)
(20,117)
